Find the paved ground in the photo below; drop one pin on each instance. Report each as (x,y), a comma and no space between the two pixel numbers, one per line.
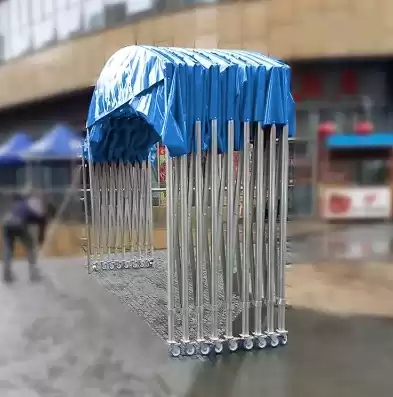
(359,243)
(69,337)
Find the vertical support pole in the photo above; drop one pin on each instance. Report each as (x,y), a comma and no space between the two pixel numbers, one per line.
(237,248)
(260,221)
(170,245)
(177,221)
(92,236)
(184,246)
(150,203)
(271,233)
(315,163)
(190,223)
(230,231)
(87,223)
(206,213)
(199,231)
(247,231)
(284,163)
(215,243)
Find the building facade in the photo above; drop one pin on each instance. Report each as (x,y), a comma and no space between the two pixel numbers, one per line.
(52,51)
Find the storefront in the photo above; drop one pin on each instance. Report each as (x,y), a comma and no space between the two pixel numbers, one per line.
(356,177)
(343,93)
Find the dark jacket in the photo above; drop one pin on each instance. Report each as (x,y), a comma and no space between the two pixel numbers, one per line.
(21,215)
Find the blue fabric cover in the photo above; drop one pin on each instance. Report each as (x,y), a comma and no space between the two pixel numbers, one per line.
(10,152)
(61,142)
(149,94)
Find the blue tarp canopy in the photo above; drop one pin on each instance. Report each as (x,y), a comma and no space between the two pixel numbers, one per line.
(149,94)
(10,152)
(351,141)
(61,142)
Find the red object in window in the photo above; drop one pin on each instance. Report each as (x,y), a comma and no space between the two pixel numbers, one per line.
(326,129)
(348,83)
(297,96)
(162,151)
(364,127)
(311,86)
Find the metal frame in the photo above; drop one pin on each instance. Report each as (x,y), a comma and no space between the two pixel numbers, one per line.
(226,237)
(235,261)
(118,215)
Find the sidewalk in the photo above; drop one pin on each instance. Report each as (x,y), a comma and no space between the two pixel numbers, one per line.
(70,337)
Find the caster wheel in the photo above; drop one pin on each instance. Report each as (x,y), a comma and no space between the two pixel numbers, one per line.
(174,350)
(261,342)
(283,339)
(232,345)
(248,343)
(135,265)
(126,265)
(205,349)
(119,266)
(273,341)
(218,347)
(111,266)
(190,349)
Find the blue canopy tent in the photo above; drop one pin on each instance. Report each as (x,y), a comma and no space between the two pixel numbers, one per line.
(10,151)
(147,94)
(195,102)
(52,157)
(12,160)
(60,143)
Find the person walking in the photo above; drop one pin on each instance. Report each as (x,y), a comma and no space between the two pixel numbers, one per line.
(24,212)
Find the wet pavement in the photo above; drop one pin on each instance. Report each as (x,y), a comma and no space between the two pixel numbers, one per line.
(362,242)
(68,336)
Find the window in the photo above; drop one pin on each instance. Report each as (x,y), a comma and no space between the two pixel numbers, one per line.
(42,22)
(68,18)
(366,168)
(93,15)
(372,172)
(301,198)
(19,29)
(4,30)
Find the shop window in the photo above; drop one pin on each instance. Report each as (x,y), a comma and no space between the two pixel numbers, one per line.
(301,200)
(93,15)
(115,12)
(349,83)
(358,168)
(372,172)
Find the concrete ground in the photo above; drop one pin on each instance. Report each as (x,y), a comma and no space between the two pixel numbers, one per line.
(69,336)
